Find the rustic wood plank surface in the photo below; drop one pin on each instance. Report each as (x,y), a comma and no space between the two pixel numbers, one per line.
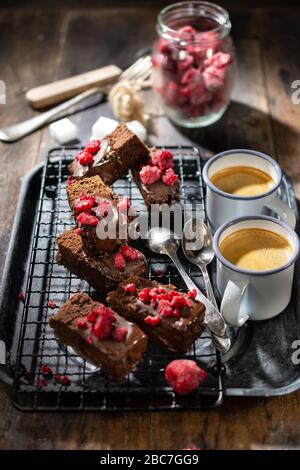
(38,46)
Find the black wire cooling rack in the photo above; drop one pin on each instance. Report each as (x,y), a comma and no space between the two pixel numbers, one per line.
(89,389)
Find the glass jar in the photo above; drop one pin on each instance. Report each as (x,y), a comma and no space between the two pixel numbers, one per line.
(193,62)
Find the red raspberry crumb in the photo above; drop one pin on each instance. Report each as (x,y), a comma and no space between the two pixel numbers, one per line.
(70,180)
(189,76)
(89,340)
(65,380)
(162,159)
(130,253)
(46,371)
(119,333)
(21,297)
(93,146)
(102,329)
(169,177)
(119,261)
(192,294)
(184,375)
(52,304)
(79,231)
(104,207)
(124,205)
(87,219)
(41,383)
(129,289)
(150,174)
(84,158)
(144,295)
(165,308)
(81,323)
(84,203)
(152,321)
(62,379)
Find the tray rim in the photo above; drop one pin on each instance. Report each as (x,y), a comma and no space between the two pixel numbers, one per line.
(33,173)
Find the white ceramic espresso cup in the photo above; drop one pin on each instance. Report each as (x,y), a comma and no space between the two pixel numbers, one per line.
(254,295)
(222,207)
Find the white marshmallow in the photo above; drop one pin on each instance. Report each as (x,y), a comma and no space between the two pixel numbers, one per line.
(102,127)
(138,128)
(63,130)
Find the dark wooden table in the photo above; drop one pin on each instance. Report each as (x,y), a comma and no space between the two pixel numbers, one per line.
(40,45)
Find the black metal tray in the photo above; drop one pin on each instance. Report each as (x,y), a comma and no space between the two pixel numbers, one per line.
(262,365)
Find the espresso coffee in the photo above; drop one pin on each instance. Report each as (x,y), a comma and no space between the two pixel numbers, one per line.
(242,180)
(256,249)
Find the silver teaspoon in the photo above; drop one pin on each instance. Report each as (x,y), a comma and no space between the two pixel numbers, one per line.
(162,241)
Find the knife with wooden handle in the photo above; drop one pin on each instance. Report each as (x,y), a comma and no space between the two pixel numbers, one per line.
(56,92)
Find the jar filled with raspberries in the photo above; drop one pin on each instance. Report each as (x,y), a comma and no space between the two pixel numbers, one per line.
(193,62)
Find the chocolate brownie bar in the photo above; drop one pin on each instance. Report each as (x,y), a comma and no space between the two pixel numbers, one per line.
(90,187)
(99,335)
(120,150)
(104,271)
(167,316)
(100,213)
(156,179)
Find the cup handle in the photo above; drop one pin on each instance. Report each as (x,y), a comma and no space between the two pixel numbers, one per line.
(283,210)
(231,303)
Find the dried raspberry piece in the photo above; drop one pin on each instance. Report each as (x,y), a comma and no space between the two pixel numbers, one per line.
(81,323)
(84,158)
(186,63)
(152,321)
(164,46)
(189,76)
(119,261)
(163,159)
(79,231)
(21,297)
(124,205)
(144,295)
(70,180)
(214,78)
(93,146)
(119,333)
(184,375)
(165,308)
(192,294)
(87,219)
(180,301)
(41,383)
(46,371)
(92,317)
(130,253)
(104,208)
(150,174)
(188,30)
(129,289)
(84,203)
(169,177)
(104,324)
(52,304)
(219,60)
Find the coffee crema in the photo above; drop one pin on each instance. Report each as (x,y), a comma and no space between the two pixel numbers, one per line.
(256,249)
(242,180)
